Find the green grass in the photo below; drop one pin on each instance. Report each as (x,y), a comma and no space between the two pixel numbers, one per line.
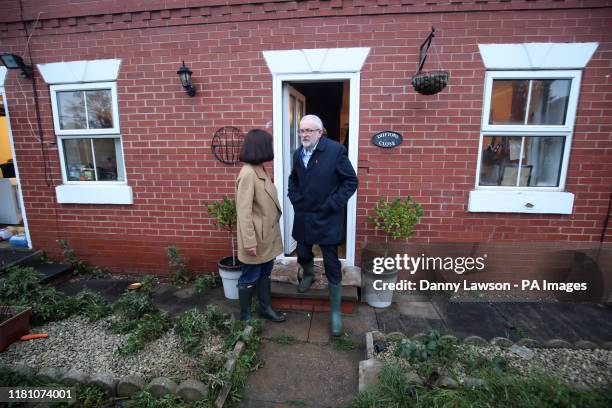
(344,343)
(283,339)
(501,390)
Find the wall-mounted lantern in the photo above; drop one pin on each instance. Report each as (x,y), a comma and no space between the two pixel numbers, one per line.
(184,74)
(12,61)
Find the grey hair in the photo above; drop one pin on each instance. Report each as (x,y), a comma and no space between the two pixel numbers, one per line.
(313,118)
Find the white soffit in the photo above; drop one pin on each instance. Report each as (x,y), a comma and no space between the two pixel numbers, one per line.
(80,71)
(3,72)
(324,60)
(537,55)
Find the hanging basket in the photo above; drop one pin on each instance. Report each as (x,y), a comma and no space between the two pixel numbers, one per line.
(430,83)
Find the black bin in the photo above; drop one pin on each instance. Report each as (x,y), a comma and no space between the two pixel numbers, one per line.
(8,170)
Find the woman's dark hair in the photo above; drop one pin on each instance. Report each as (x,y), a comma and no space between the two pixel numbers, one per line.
(257,147)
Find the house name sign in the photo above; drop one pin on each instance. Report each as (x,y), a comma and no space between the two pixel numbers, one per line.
(387,139)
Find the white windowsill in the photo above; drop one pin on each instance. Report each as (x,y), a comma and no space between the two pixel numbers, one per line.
(94,194)
(513,201)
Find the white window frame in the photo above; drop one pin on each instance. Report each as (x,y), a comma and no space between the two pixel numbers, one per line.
(565,130)
(87,75)
(108,133)
(530,60)
(121,171)
(85,87)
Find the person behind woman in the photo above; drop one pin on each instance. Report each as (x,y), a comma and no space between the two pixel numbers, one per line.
(259,236)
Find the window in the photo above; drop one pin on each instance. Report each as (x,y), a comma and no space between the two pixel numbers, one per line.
(526,133)
(86,123)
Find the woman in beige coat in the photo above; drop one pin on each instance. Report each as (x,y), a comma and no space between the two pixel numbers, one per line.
(259,236)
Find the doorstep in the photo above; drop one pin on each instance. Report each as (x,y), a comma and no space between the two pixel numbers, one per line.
(286,297)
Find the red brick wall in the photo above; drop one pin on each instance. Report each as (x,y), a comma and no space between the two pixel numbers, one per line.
(167,135)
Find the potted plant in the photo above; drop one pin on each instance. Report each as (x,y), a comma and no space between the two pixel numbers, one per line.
(14,323)
(396,219)
(224,212)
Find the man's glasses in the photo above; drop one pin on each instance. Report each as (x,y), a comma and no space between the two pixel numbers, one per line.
(308,131)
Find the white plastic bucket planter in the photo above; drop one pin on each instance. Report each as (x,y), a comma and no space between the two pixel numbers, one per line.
(229,276)
(378,298)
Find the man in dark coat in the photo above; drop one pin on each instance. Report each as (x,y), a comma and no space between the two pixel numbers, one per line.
(321,182)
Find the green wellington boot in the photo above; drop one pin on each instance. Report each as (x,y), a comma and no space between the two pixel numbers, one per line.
(245,294)
(335,302)
(307,277)
(264,295)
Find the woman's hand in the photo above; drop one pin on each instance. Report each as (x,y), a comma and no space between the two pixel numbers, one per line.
(252,251)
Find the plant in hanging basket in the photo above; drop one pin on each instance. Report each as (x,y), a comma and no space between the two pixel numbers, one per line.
(430,83)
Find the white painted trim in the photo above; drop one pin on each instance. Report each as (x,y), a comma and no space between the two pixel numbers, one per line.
(517,201)
(323,60)
(537,55)
(565,130)
(574,75)
(16,165)
(54,89)
(94,194)
(277,109)
(3,73)
(80,71)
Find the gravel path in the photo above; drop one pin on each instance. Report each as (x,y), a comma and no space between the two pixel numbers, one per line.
(590,368)
(90,347)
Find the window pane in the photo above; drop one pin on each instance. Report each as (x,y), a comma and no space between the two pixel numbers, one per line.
(498,153)
(508,102)
(549,98)
(542,161)
(99,109)
(71,110)
(79,160)
(106,159)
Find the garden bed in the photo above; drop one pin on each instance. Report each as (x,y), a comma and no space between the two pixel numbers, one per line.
(91,347)
(418,371)
(129,347)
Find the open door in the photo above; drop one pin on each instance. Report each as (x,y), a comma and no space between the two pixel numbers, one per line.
(294,107)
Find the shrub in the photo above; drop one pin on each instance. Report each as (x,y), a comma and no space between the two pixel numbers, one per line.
(224,213)
(179,271)
(21,287)
(205,280)
(396,218)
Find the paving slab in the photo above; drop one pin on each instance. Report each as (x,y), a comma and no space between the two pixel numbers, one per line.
(304,374)
(109,289)
(356,325)
(569,321)
(296,324)
(178,300)
(475,318)
(409,318)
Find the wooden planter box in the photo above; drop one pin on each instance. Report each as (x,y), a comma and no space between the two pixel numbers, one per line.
(14,327)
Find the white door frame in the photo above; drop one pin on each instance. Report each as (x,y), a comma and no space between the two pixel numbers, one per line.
(277,122)
(15,163)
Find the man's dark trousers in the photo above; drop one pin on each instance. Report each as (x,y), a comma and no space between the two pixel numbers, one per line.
(330,260)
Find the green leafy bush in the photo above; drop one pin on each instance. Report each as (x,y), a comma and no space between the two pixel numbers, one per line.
(193,325)
(224,213)
(139,317)
(205,280)
(180,273)
(80,267)
(21,287)
(148,328)
(430,348)
(133,305)
(396,218)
